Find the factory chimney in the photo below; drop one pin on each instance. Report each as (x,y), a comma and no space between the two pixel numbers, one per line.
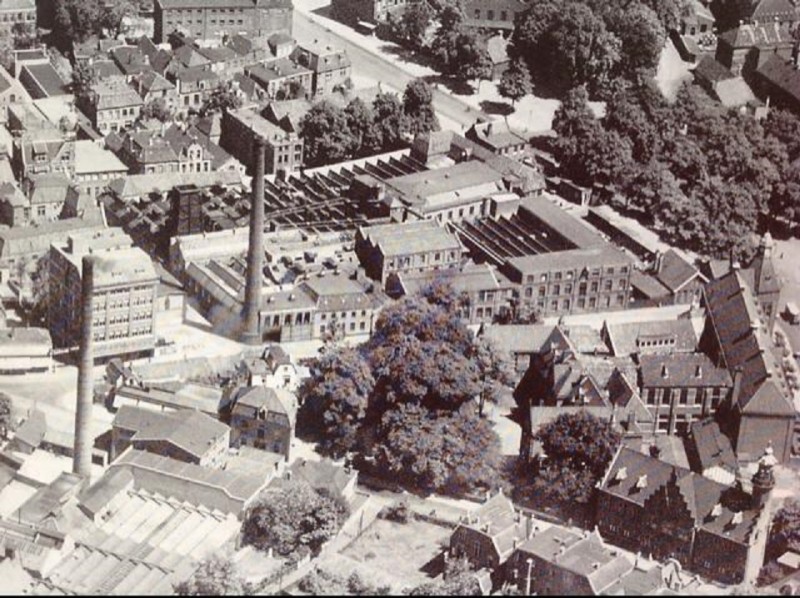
(255,252)
(82,460)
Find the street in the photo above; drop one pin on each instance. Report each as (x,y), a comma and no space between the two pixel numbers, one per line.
(307,28)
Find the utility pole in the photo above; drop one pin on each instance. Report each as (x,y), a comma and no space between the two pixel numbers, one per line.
(528,580)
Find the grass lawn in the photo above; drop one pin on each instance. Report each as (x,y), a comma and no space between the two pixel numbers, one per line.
(397,551)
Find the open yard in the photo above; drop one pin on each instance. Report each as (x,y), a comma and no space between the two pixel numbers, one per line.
(394,553)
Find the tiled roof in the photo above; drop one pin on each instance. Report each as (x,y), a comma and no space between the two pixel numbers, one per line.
(710,69)
(322,474)
(624,338)
(762,35)
(707,447)
(674,271)
(275,69)
(644,476)
(519,338)
(273,400)
(648,285)
(681,370)
(745,344)
(575,259)
(179,4)
(115,93)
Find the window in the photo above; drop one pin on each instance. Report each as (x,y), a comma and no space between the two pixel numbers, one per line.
(477,13)
(683,399)
(557,289)
(554,305)
(594,287)
(542,291)
(490,15)
(503,15)
(608,284)
(557,276)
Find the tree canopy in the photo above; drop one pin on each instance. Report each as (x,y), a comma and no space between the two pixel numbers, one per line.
(515,82)
(224,97)
(293,520)
(215,576)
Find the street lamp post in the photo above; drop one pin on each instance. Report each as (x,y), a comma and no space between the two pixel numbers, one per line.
(528,580)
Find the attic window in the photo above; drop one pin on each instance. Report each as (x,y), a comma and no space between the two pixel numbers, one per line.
(622,473)
(737,518)
(641,483)
(716,511)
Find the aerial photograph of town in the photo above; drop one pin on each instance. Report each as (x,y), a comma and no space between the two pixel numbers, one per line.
(400,297)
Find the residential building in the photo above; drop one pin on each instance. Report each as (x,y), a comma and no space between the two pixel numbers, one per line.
(15,208)
(125,290)
(274,369)
(95,167)
(485,295)
(323,476)
(493,15)
(284,148)
(13,12)
(737,337)
(210,19)
(683,281)
(414,246)
(46,195)
(331,66)
(114,105)
(277,76)
(649,506)
(264,418)
(43,151)
(25,350)
(571,281)
(498,137)
(193,86)
(152,86)
(130,61)
(11,92)
(367,11)
(520,342)
(189,436)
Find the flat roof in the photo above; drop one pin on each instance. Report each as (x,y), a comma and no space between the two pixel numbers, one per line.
(426,183)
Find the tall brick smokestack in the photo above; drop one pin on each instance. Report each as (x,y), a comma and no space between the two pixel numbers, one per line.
(82,461)
(255,251)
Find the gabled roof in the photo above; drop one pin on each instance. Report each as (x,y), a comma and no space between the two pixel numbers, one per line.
(708,447)
(190,430)
(321,475)
(681,370)
(745,344)
(675,272)
(629,338)
(763,35)
(272,400)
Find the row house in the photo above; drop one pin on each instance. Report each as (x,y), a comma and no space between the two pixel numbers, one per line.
(278,76)
(415,246)
(152,86)
(166,150)
(284,148)
(43,152)
(331,67)
(193,86)
(114,105)
(572,281)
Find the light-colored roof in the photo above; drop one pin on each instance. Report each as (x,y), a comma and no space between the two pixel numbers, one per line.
(35,240)
(572,258)
(139,185)
(90,158)
(410,237)
(442,185)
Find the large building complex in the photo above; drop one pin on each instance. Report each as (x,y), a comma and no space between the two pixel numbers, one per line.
(210,19)
(124,294)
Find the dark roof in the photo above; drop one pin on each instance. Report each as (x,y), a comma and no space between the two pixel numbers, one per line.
(712,70)
(707,447)
(648,286)
(764,10)
(323,475)
(575,259)
(681,370)
(48,78)
(190,430)
(567,225)
(260,397)
(674,271)
(781,74)
(519,338)
(745,344)
(636,477)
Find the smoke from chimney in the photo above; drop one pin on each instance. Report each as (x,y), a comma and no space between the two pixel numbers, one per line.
(82,460)
(255,252)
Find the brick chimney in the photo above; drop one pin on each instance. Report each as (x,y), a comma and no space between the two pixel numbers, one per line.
(255,252)
(82,459)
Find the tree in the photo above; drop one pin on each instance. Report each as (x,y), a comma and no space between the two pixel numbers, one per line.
(224,97)
(641,35)
(293,520)
(418,107)
(158,109)
(361,124)
(470,58)
(565,45)
(450,452)
(34,281)
(515,82)
(292,90)
(458,580)
(75,21)
(578,447)
(113,15)
(390,121)
(336,399)
(5,414)
(25,36)
(215,576)
(84,78)
(321,582)
(327,136)
(412,27)
(785,529)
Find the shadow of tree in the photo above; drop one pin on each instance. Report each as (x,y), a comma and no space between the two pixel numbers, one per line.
(501,108)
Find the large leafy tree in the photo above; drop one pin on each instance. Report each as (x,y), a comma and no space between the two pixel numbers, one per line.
(444,451)
(418,107)
(565,45)
(5,414)
(391,124)
(336,399)
(321,582)
(84,78)
(458,580)
(641,34)
(113,15)
(294,520)
(494,369)
(361,123)
(327,137)
(515,82)
(157,108)
(578,447)
(224,97)
(412,26)
(75,21)
(785,530)
(215,576)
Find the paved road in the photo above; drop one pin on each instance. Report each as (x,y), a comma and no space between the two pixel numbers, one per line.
(368,64)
